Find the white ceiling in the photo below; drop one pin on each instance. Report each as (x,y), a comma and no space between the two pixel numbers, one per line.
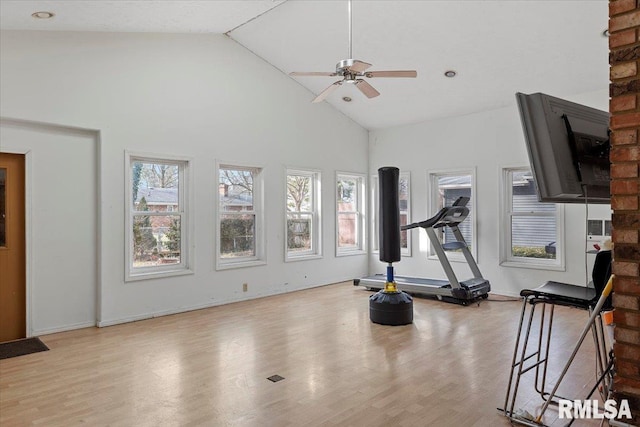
(149,16)
(497,47)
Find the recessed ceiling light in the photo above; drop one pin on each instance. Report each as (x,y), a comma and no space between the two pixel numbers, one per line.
(605,33)
(43,15)
(346,99)
(450,73)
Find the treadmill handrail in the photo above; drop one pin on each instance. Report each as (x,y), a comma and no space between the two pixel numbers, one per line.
(454,216)
(461,201)
(447,216)
(427,223)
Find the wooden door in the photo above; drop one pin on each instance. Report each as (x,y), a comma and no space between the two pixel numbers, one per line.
(12,248)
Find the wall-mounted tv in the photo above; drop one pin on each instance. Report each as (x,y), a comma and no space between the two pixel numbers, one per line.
(568,146)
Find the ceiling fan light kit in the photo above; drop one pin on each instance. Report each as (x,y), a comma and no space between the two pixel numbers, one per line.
(352,71)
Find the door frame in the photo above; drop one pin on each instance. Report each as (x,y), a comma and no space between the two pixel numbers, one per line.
(27,229)
(28,192)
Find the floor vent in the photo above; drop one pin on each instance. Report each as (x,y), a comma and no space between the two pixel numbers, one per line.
(275,378)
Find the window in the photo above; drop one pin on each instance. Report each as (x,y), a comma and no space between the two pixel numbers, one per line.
(303,214)
(404,192)
(240,218)
(532,230)
(599,227)
(598,232)
(446,187)
(157,217)
(350,218)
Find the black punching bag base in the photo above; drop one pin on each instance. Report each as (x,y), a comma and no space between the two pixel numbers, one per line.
(391,308)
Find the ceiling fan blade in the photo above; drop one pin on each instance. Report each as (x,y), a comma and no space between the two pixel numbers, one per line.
(402,73)
(366,88)
(312,73)
(358,66)
(326,92)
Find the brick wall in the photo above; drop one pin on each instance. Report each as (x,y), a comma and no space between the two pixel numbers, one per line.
(624,59)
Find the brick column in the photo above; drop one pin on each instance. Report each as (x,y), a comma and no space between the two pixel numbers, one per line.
(624,59)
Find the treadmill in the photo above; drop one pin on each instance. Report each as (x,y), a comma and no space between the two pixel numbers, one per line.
(451,290)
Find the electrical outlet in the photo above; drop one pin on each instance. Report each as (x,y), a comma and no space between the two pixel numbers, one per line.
(245,287)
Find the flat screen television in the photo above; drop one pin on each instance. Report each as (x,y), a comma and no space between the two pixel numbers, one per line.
(568,146)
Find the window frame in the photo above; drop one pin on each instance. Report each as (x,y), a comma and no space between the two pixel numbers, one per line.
(258,200)
(433,203)
(506,214)
(361,229)
(315,212)
(405,252)
(185,201)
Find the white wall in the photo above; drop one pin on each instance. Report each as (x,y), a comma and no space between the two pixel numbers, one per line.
(62,205)
(486,141)
(201,96)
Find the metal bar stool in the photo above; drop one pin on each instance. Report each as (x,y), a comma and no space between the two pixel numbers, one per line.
(546,297)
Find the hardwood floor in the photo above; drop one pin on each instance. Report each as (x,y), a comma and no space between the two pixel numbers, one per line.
(210,367)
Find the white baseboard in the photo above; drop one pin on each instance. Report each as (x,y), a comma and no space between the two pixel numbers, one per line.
(47,331)
(160,313)
(105,323)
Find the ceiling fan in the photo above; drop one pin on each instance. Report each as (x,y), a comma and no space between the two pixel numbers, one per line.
(351,71)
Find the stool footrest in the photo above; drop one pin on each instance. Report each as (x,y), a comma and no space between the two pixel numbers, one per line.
(526,358)
(538,363)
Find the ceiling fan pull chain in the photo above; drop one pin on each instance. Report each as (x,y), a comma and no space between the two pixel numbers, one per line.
(350,31)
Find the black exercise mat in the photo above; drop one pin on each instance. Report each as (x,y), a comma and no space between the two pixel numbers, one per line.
(21,347)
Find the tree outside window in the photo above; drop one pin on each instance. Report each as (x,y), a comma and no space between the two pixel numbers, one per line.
(302,214)
(156,193)
(157,216)
(239,208)
(350,213)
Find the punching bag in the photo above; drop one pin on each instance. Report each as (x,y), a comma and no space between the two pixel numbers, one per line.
(389,214)
(390,306)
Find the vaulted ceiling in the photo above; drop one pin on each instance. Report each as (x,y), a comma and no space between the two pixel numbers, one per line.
(496,47)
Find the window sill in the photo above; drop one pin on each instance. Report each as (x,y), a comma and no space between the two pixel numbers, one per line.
(302,257)
(533,265)
(350,253)
(134,277)
(239,264)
